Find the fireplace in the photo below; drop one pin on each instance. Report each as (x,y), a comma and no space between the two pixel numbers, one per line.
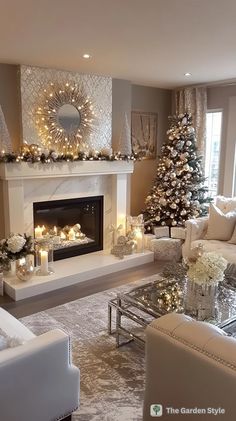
(74,225)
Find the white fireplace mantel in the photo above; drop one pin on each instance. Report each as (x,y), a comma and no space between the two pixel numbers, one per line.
(24,170)
(23,183)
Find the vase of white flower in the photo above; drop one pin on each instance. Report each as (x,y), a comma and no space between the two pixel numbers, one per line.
(13,248)
(200,300)
(203,276)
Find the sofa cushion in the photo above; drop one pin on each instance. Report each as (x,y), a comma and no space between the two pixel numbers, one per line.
(13,328)
(233,238)
(220,225)
(226,204)
(228,251)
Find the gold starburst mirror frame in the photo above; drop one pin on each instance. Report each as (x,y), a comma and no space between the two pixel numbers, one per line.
(65,118)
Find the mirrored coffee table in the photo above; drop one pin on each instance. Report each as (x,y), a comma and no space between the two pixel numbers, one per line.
(129,313)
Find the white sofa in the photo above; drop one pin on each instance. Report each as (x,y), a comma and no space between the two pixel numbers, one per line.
(37,380)
(189,364)
(197,228)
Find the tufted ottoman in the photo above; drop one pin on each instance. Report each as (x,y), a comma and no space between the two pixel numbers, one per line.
(169,249)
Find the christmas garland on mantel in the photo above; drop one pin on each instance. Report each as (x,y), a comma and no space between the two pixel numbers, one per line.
(33,154)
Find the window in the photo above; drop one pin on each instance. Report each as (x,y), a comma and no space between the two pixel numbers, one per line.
(212,158)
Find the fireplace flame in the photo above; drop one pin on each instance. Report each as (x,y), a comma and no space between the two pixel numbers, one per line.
(63,236)
(71,235)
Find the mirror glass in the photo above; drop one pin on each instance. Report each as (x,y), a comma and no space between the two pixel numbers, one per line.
(69,118)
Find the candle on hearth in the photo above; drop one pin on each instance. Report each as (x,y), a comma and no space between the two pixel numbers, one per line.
(55,230)
(38,232)
(72,235)
(22,261)
(139,239)
(44,262)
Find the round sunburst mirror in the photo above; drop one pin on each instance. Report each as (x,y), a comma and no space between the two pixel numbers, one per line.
(65,118)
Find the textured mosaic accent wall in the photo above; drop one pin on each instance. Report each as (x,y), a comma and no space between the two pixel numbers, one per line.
(35,79)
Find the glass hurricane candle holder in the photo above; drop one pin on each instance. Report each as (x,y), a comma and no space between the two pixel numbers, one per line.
(44,256)
(138,232)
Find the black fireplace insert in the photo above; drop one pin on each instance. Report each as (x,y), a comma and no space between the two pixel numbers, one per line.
(74,225)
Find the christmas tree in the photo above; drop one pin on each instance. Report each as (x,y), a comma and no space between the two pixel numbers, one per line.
(178,192)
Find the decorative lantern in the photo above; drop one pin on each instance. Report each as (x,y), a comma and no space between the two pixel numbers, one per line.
(44,257)
(136,227)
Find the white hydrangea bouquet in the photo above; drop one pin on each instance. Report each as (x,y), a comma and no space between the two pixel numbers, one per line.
(15,247)
(206,267)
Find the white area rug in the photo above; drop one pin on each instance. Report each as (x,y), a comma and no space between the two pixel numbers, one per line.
(112,380)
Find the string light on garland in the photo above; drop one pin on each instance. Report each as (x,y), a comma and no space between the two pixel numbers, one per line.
(35,154)
(55,107)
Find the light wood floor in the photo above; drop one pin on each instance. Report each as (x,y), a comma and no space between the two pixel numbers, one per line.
(52,299)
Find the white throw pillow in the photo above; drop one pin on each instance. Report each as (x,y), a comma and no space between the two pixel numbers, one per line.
(220,225)
(9,341)
(233,238)
(226,204)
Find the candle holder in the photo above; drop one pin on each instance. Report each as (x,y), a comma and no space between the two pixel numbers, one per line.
(136,227)
(44,256)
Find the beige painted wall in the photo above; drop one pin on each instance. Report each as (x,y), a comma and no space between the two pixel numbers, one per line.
(157,101)
(126,97)
(10,101)
(121,106)
(218,97)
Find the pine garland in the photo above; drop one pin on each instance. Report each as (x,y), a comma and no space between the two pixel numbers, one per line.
(52,156)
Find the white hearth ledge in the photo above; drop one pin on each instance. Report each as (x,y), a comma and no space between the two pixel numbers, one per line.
(73,271)
(24,170)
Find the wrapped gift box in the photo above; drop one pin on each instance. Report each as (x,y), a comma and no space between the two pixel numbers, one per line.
(178,232)
(168,249)
(160,232)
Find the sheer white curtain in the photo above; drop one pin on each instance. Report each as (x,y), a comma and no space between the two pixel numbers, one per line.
(194,101)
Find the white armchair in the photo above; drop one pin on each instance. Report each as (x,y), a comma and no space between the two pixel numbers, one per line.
(195,231)
(197,228)
(37,379)
(189,364)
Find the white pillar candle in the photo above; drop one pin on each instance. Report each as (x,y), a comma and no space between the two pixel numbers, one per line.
(22,261)
(139,239)
(55,230)
(44,261)
(72,235)
(38,232)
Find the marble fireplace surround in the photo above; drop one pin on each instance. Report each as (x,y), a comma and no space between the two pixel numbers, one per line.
(23,184)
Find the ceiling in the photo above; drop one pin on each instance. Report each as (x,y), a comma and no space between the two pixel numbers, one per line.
(149,42)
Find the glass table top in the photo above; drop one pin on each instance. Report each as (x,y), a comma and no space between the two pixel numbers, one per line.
(165,295)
